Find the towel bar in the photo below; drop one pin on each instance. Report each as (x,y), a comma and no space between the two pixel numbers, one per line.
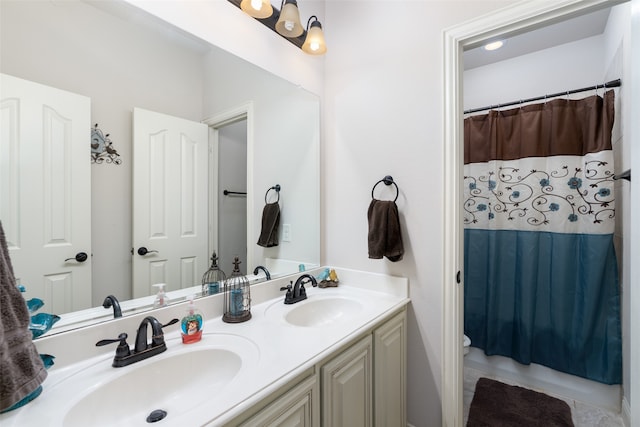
(388,180)
(275,187)
(624,175)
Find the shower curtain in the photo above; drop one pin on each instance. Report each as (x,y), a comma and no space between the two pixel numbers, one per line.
(541,276)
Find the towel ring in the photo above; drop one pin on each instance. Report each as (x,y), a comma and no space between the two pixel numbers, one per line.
(275,187)
(388,180)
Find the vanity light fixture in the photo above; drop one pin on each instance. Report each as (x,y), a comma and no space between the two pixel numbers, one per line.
(257,8)
(314,43)
(494,45)
(289,24)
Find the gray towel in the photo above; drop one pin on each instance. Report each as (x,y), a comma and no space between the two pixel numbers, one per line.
(385,238)
(21,369)
(270,223)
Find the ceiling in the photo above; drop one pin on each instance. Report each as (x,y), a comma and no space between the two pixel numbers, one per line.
(584,26)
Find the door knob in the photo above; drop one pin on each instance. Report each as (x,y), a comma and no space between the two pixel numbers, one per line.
(80,257)
(142,251)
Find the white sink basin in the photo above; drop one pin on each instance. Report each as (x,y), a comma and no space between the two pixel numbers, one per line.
(174,384)
(177,381)
(317,311)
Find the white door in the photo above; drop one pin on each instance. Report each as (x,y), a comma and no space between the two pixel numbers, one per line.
(45,191)
(170,218)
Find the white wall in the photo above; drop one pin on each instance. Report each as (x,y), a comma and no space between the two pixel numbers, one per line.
(227,27)
(568,66)
(382,115)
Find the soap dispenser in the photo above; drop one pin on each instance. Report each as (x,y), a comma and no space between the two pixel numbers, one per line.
(192,324)
(161,297)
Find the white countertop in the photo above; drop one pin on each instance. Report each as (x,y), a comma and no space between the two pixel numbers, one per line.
(275,351)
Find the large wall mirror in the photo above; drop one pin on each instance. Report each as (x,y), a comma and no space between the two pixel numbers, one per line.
(260,130)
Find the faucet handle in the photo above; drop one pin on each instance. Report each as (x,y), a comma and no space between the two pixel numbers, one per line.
(171,322)
(123,348)
(289,289)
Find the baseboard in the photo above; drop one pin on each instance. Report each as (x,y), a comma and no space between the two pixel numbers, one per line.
(546,379)
(626,412)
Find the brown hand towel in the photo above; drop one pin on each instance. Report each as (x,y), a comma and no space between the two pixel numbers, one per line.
(385,237)
(21,369)
(270,223)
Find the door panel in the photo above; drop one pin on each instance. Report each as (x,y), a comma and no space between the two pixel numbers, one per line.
(170,217)
(45,191)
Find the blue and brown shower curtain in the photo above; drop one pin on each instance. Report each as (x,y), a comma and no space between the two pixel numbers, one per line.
(541,276)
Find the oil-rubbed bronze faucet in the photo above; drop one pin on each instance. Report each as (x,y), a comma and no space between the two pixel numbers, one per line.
(112,301)
(142,350)
(264,269)
(298,292)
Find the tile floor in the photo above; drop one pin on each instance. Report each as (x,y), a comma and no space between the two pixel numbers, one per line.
(583,415)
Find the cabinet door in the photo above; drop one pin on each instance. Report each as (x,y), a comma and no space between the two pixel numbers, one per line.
(296,408)
(390,373)
(347,388)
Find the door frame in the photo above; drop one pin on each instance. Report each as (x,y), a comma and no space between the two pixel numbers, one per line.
(227,117)
(518,18)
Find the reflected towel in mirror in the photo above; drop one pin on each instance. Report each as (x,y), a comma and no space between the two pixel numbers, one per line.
(270,223)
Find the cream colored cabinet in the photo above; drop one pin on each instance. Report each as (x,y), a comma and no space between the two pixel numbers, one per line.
(298,407)
(390,373)
(347,393)
(362,386)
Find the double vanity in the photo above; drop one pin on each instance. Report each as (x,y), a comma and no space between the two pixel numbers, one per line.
(337,358)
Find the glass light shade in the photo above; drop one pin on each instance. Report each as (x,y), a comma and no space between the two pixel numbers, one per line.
(257,8)
(314,42)
(289,24)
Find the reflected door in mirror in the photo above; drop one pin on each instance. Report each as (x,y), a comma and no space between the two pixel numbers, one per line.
(170,204)
(45,179)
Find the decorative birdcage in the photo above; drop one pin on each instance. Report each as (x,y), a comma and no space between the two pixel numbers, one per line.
(213,279)
(237,297)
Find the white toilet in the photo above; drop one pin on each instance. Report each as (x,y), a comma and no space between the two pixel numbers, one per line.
(467,344)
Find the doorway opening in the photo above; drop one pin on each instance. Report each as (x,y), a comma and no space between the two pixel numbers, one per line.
(232,193)
(231,186)
(510,21)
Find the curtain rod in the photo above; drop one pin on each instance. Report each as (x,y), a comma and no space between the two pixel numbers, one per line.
(612,83)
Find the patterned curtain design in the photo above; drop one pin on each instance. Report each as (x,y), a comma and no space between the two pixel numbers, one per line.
(541,276)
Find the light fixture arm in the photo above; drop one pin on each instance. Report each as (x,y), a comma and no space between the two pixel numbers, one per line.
(309,21)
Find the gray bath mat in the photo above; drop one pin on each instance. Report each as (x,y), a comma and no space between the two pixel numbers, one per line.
(496,404)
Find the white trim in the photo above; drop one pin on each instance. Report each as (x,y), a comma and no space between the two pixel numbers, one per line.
(241,112)
(634,237)
(518,18)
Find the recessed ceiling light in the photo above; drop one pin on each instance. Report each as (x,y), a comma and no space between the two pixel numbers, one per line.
(494,45)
